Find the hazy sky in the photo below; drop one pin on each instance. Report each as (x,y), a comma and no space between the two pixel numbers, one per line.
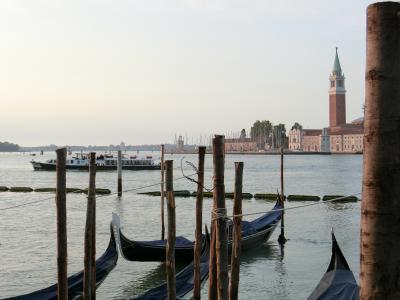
(101,72)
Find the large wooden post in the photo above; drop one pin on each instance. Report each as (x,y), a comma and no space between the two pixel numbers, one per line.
(162,192)
(62,287)
(199,221)
(212,263)
(170,252)
(281,238)
(119,169)
(237,233)
(89,283)
(221,245)
(380,206)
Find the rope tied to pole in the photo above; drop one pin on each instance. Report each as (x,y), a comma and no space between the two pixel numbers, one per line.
(219,213)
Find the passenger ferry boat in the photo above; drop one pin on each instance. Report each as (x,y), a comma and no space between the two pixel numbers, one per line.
(104,162)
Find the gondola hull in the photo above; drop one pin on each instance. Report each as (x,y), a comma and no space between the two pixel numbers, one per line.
(256,239)
(142,251)
(338,283)
(261,230)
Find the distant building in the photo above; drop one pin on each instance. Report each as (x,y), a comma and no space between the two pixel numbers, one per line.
(240,145)
(180,144)
(325,140)
(311,141)
(295,139)
(339,137)
(347,138)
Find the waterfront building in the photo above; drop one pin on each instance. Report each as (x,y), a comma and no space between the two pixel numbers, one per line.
(240,145)
(325,140)
(347,137)
(339,137)
(295,139)
(311,140)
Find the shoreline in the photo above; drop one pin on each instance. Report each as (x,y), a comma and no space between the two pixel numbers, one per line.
(275,153)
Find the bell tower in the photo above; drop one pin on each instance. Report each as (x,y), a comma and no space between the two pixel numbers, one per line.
(337,95)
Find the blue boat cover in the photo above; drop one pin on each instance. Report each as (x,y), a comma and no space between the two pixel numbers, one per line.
(268,219)
(104,265)
(261,223)
(338,283)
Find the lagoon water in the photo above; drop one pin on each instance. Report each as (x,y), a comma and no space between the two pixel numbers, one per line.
(28,233)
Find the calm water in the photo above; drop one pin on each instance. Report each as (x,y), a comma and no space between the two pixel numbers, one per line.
(28,233)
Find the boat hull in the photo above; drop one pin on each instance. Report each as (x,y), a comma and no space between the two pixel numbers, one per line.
(139,251)
(149,251)
(39,166)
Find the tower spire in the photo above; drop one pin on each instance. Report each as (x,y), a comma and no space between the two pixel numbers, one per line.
(337,70)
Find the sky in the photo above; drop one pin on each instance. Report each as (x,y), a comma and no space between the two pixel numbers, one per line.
(98,72)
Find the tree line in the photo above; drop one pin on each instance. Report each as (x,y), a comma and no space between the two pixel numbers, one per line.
(265,133)
(8,147)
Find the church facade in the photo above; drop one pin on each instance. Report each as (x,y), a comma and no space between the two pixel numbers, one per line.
(339,137)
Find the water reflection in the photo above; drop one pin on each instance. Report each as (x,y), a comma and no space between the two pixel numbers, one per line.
(264,252)
(280,288)
(268,262)
(146,280)
(341,205)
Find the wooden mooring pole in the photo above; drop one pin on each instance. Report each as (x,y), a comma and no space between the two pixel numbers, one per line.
(237,233)
(89,279)
(62,286)
(170,252)
(221,245)
(162,192)
(199,221)
(380,206)
(119,169)
(281,238)
(212,264)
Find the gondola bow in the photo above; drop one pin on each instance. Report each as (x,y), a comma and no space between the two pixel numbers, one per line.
(338,283)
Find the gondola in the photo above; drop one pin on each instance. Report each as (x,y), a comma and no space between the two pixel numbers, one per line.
(184,279)
(104,266)
(338,282)
(254,233)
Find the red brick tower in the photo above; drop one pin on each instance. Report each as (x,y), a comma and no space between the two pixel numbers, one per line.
(337,95)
